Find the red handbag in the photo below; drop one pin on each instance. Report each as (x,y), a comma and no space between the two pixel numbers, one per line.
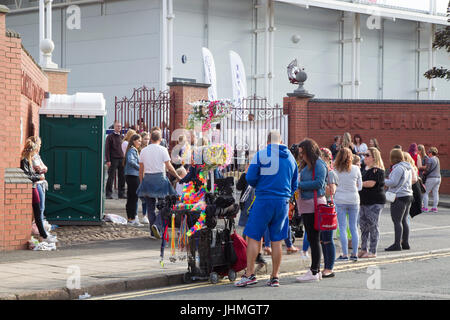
(325,216)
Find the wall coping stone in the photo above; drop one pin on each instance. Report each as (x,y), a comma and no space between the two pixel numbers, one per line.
(189,84)
(380,101)
(15,176)
(4,9)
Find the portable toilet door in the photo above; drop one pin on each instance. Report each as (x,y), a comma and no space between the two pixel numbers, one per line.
(72,129)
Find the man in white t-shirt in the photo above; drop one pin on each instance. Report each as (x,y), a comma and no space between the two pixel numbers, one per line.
(154,160)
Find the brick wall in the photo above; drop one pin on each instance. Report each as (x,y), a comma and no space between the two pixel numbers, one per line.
(183,94)
(57,80)
(390,122)
(17,210)
(18,120)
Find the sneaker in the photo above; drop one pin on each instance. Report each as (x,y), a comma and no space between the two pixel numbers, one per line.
(155,231)
(342,258)
(424,209)
(152,237)
(304,254)
(394,248)
(433,210)
(135,223)
(273,282)
(245,281)
(308,277)
(405,246)
(145,220)
(51,238)
(354,258)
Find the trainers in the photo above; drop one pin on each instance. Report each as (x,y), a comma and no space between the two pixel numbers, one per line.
(152,237)
(145,220)
(433,210)
(155,231)
(273,282)
(354,258)
(51,238)
(424,209)
(245,281)
(308,277)
(304,254)
(342,258)
(135,223)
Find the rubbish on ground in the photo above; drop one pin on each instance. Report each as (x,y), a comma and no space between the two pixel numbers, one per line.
(84,296)
(45,246)
(114,218)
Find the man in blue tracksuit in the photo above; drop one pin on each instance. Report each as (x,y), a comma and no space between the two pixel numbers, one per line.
(273,173)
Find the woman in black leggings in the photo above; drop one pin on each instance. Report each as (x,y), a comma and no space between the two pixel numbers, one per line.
(313,173)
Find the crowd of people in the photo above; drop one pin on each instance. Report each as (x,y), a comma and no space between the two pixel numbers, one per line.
(353,177)
(349,174)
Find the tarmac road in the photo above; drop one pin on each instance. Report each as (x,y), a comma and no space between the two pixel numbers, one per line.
(422,277)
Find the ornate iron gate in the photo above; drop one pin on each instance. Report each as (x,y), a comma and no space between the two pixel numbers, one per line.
(247,129)
(145,109)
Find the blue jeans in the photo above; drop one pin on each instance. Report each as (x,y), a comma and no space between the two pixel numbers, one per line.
(353,212)
(144,207)
(40,189)
(152,217)
(328,249)
(287,241)
(305,242)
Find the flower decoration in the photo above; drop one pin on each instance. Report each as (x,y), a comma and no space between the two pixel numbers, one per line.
(206,112)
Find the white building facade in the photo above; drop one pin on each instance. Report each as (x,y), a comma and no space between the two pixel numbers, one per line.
(361,49)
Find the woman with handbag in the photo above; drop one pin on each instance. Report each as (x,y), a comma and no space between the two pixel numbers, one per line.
(416,205)
(313,173)
(326,237)
(372,200)
(131,164)
(432,175)
(347,201)
(401,195)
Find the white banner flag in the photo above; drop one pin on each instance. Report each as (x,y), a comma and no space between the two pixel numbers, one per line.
(238,78)
(210,73)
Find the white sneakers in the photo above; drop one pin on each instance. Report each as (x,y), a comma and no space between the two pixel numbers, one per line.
(135,223)
(51,238)
(304,254)
(309,277)
(145,220)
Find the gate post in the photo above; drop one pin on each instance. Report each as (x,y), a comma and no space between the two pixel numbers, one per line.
(184,93)
(296,106)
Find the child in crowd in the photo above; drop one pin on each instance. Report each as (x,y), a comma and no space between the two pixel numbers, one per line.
(356,160)
(181,171)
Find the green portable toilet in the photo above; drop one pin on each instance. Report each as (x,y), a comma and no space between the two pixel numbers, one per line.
(72,129)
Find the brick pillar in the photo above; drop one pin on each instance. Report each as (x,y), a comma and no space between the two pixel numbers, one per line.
(18,211)
(183,94)
(297,109)
(57,80)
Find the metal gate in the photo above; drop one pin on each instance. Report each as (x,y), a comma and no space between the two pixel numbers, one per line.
(146,108)
(247,129)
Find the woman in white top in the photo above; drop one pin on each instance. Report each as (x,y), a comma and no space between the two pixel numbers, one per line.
(346,200)
(360,148)
(154,160)
(127,138)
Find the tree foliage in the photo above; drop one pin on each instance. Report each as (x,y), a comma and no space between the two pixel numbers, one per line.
(441,40)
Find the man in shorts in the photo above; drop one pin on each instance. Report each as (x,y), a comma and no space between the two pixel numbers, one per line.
(273,173)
